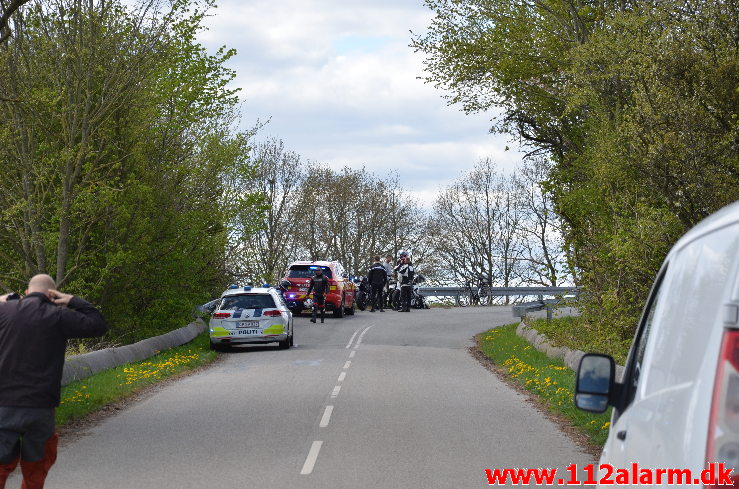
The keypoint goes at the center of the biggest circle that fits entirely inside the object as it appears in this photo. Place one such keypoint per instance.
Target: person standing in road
(388, 265)
(377, 277)
(405, 275)
(320, 286)
(33, 338)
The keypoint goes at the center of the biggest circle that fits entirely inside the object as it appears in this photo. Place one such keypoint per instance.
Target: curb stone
(82, 366)
(570, 357)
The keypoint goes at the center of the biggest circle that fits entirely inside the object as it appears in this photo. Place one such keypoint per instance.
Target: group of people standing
(379, 276)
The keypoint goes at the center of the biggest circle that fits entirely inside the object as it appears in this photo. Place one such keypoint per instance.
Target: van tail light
(272, 314)
(220, 315)
(723, 427)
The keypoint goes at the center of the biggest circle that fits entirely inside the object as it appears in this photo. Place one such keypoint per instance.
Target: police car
(251, 315)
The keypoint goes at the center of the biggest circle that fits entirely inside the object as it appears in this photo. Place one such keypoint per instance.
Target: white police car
(251, 315)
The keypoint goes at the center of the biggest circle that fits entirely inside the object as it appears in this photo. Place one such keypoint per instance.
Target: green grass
(97, 391)
(577, 334)
(551, 380)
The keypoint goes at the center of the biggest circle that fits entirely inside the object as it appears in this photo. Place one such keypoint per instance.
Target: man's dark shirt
(33, 339)
(377, 275)
(319, 285)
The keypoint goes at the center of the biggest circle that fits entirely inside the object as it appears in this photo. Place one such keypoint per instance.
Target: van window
(640, 342)
(247, 301)
(696, 285)
(306, 271)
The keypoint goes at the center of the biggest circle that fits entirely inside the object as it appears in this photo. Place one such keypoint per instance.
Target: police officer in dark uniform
(377, 277)
(405, 272)
(320, 286)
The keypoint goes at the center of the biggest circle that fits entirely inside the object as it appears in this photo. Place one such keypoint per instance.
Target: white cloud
(339, 84)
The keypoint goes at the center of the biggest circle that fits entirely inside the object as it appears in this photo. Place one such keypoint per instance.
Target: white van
(677, 406)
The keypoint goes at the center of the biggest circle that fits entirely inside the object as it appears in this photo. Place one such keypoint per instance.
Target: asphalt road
(382, 400)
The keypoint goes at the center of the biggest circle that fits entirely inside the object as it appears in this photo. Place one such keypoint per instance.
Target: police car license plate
(245, 332)
(248, 324)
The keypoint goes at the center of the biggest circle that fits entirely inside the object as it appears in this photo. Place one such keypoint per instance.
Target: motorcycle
(395, 295)
(363, 294)
(417, 300)
(387, 294)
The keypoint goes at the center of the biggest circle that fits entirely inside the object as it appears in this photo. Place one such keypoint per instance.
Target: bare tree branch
(7, 12)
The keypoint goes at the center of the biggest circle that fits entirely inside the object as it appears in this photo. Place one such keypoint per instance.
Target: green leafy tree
(123, 163)
(634, 102)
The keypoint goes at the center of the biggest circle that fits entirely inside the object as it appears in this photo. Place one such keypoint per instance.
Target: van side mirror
(595, 382)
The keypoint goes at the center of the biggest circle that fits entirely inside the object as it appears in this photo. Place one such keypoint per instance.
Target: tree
(353, 215)
(540, 229)
(120, 157)
(6, 11)
(464, 226)
(512, 56)
(266, 250)
(635, 104)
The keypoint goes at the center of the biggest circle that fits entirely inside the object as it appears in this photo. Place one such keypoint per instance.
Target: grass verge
(577, 334)
(88, 395)
(551, 381)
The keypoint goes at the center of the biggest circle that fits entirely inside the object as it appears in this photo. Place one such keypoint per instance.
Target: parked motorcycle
(395, 294)
(363, 293)
(387, 294)
(417, 300)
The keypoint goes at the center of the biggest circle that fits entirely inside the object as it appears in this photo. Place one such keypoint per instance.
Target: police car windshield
(306, 271)
(247, 301)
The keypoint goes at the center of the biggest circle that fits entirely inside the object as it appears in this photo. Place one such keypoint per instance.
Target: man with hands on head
(33, 338)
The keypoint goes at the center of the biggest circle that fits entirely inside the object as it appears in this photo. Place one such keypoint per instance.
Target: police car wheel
(339, 311)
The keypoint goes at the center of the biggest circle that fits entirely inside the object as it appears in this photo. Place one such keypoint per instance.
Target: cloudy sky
(339, 85)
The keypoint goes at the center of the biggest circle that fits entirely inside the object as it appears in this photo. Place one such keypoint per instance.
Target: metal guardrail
(519, 310)
(498, 291)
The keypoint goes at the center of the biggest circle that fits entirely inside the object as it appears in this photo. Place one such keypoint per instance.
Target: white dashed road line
(310, 461)
(361, 336)
(315, 448)
(326, 416)
(351, 340)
